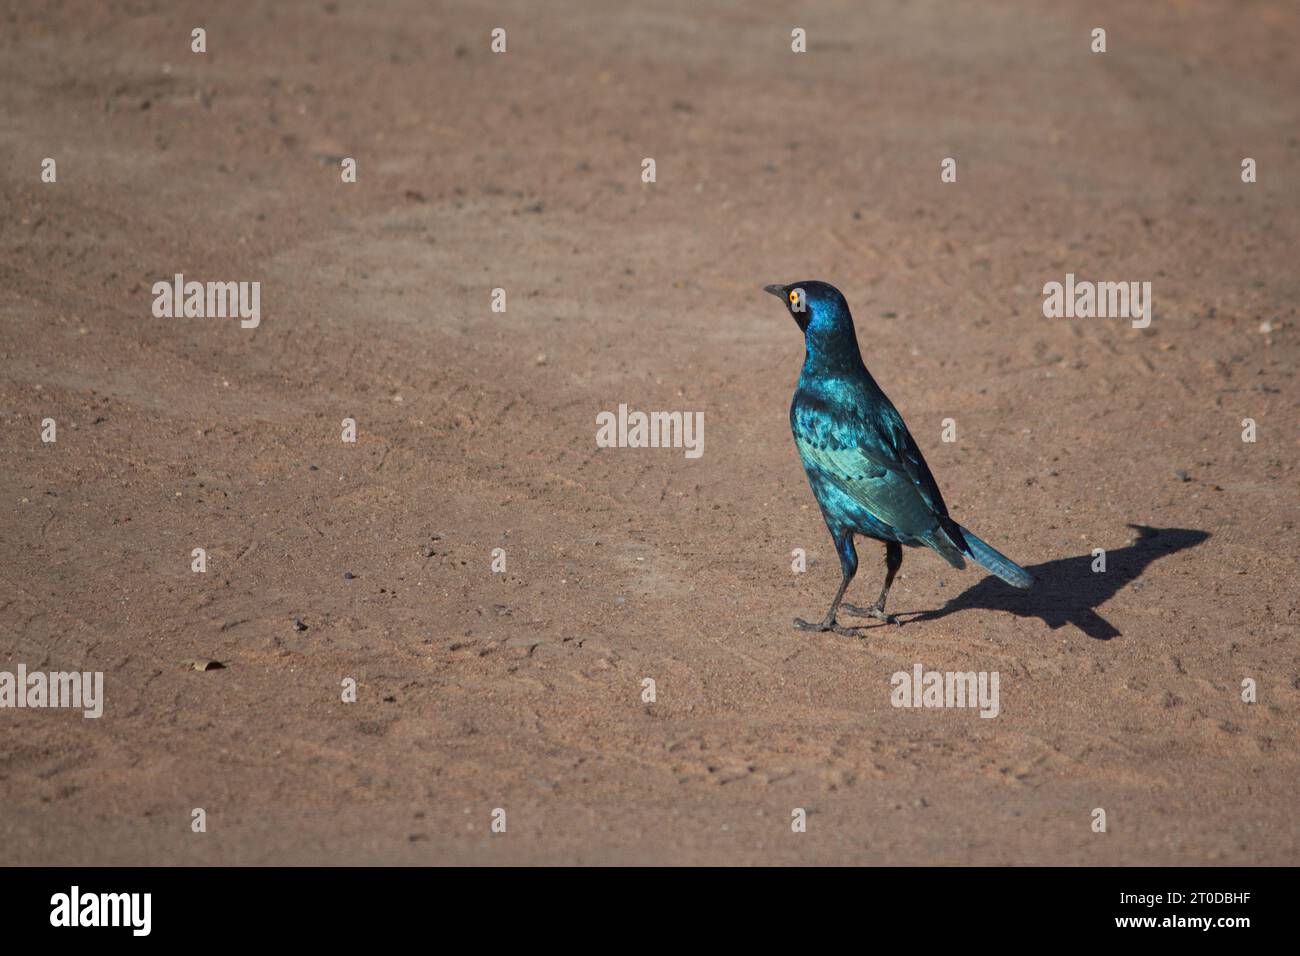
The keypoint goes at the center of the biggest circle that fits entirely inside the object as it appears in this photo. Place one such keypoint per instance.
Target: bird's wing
(894, 434)
(876, 467)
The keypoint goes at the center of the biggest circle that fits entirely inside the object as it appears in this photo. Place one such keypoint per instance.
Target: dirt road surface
(523, 689)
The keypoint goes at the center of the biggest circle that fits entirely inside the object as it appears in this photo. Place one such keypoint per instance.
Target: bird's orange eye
(794, 296)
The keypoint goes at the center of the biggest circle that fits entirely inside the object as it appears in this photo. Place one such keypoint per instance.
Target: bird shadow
(1068, 591)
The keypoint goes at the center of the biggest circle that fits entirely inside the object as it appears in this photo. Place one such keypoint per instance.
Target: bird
(865, 469)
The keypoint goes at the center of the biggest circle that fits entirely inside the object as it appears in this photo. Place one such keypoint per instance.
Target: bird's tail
(994, 560)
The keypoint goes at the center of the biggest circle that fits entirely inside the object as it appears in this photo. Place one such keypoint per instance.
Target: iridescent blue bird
(865, 469)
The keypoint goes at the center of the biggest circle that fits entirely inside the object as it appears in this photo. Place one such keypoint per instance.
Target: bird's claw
(833, 626)
(875, 611)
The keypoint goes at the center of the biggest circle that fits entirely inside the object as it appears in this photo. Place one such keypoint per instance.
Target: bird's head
(813, 303)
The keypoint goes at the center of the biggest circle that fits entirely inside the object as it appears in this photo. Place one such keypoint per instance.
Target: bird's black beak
(776, 290)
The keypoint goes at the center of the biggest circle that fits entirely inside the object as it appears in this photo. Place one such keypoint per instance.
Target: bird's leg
(849, 566)
(893, 561)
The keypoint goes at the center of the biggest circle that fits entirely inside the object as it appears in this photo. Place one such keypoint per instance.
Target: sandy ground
(522, 690)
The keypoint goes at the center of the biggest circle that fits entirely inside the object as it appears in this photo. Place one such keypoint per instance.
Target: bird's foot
(875, 611)
(829, 625)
